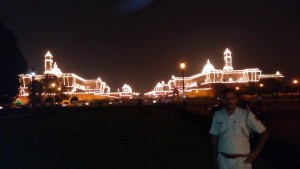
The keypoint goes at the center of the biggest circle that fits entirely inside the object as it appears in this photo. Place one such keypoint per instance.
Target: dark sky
(141, 42)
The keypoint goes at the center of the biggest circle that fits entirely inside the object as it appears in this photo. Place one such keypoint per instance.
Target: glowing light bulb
(295, 81)
(182, 65)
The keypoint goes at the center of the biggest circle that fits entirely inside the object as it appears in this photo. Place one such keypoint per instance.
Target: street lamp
(33, 90)
(182, 66)
(53, 90)
(295, 83)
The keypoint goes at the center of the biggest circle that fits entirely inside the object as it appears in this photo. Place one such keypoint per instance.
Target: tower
(48, 63)
(228, 60)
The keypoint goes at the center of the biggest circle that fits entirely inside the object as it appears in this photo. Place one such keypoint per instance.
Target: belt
(233, 156)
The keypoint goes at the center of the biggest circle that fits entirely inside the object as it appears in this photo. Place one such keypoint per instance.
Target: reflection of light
(237, 88)
(59, 88)
(295, 81)
(53, 84)
(182, 65)
(33, 74)
(261, 85)
(1, 107)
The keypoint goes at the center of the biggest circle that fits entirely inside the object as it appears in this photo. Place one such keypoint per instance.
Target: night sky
(142, 42)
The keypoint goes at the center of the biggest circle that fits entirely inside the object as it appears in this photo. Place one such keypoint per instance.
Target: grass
(150, 137)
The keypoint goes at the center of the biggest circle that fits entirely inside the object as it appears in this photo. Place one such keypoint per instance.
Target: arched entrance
(74, 99)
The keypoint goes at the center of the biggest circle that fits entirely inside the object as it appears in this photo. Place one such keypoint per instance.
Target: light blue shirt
(234, 130)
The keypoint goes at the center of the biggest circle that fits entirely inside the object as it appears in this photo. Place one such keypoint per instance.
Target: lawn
(136, 137)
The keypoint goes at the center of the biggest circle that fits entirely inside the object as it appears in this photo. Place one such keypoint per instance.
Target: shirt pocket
(222, 127)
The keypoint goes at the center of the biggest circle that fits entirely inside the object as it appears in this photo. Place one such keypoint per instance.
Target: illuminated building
(56, 82)
(126, 92)
(54, 79)
(210, 77)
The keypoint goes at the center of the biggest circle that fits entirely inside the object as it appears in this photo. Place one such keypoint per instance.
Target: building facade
(53, 83)
(69, 83)
(210, 77)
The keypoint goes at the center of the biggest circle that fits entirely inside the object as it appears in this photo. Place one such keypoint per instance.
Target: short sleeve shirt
(234, 130)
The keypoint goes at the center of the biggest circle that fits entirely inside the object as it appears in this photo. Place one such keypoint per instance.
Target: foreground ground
(147, 137)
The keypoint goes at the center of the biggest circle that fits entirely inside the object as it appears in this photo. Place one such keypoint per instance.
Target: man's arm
(261, 142)
(215, 140)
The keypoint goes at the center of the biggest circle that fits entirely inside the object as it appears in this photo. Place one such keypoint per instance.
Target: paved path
(112, 138)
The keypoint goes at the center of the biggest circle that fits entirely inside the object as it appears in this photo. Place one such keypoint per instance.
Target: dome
(159, 85)
(126, 88)
(208, 67)
(56, 71)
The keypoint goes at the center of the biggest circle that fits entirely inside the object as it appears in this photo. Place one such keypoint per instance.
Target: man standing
(231, 128)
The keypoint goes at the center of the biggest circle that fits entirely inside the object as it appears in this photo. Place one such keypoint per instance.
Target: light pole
(261, 85)
(295, 83)
(182, 66)
(33, 106)
(59, 95)
(53, 90)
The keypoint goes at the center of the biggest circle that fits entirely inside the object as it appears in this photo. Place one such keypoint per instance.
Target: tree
(12, 63)
(38, 89)
(272, 86)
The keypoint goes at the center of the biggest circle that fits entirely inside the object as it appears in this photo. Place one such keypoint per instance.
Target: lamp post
(261, 89)
(53, 90)
(182, 66)
(33, 106)
(59, 96)
(295, 83)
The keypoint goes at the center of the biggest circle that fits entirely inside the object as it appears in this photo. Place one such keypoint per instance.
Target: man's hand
(262, 140)
(251, 157)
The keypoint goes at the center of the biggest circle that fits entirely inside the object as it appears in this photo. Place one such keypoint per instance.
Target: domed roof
(208, 67)
(159, 85)
(56, 71)
(126, 88)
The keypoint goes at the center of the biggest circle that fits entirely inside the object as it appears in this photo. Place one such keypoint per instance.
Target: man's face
(230, 100)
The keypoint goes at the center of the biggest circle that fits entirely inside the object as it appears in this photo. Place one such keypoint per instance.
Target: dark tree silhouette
(49, 100)
(12, 63)
(39, 89)
(272, 86)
